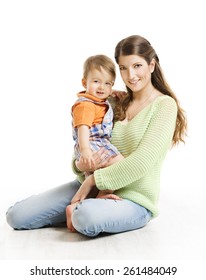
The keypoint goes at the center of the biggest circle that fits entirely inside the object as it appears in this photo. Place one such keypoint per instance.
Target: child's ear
(112, 89)
(84, 82)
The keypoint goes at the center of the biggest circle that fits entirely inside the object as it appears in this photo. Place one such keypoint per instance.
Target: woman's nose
(131, 73)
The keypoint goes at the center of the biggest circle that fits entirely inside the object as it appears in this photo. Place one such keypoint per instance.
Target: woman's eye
(122, 67)
(137, 65)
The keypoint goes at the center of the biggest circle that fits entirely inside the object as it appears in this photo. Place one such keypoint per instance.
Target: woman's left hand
(84, 190)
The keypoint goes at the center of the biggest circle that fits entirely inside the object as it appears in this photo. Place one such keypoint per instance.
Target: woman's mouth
(133, 82)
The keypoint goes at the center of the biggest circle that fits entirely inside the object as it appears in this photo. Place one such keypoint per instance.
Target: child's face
(98, 83)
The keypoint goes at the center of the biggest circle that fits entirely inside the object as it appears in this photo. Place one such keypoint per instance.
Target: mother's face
(135, 71)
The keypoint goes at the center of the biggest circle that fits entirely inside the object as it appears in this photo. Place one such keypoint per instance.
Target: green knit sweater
(144, 142)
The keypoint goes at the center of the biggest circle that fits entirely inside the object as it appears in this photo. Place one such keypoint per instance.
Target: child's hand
(100, 160)
(87, 157)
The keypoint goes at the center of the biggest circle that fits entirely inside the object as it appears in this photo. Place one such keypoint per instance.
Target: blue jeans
(90, 217)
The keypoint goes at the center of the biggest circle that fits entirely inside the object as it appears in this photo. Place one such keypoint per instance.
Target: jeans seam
(44, 219)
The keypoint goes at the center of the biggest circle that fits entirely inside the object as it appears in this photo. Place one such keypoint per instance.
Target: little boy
(92, 116)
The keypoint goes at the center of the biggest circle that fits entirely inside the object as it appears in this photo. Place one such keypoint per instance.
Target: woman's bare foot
(69, 211)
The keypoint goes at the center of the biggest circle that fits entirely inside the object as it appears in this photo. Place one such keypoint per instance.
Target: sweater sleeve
(151, 148)
(78, 173)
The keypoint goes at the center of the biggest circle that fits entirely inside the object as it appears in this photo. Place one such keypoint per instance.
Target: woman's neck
(144, 94)
(140, 101)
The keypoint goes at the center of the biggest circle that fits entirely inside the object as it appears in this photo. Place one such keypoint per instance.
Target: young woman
(148, 121)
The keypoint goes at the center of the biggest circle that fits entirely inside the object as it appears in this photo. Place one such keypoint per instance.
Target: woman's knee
(13, 217)
(19, 216)
(84, 219)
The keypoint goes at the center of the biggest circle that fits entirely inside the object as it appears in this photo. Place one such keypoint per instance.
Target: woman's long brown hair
(137, 45)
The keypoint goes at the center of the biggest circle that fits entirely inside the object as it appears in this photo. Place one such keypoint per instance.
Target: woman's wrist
(92, 180)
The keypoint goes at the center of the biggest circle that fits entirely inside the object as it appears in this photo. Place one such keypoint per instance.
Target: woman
(148, 120)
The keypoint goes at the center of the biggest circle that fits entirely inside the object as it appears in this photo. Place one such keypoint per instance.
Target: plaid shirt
(100, 134)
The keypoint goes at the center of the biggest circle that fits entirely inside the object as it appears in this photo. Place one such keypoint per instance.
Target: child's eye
(109, 84)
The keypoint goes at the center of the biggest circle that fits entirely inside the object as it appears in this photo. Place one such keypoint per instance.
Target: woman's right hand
(119, 94)
(100, 158)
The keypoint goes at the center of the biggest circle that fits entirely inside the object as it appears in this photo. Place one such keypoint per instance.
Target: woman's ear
(152, 65)
(84, 82)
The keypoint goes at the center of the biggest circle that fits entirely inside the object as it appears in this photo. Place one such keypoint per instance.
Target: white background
(43, 46)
